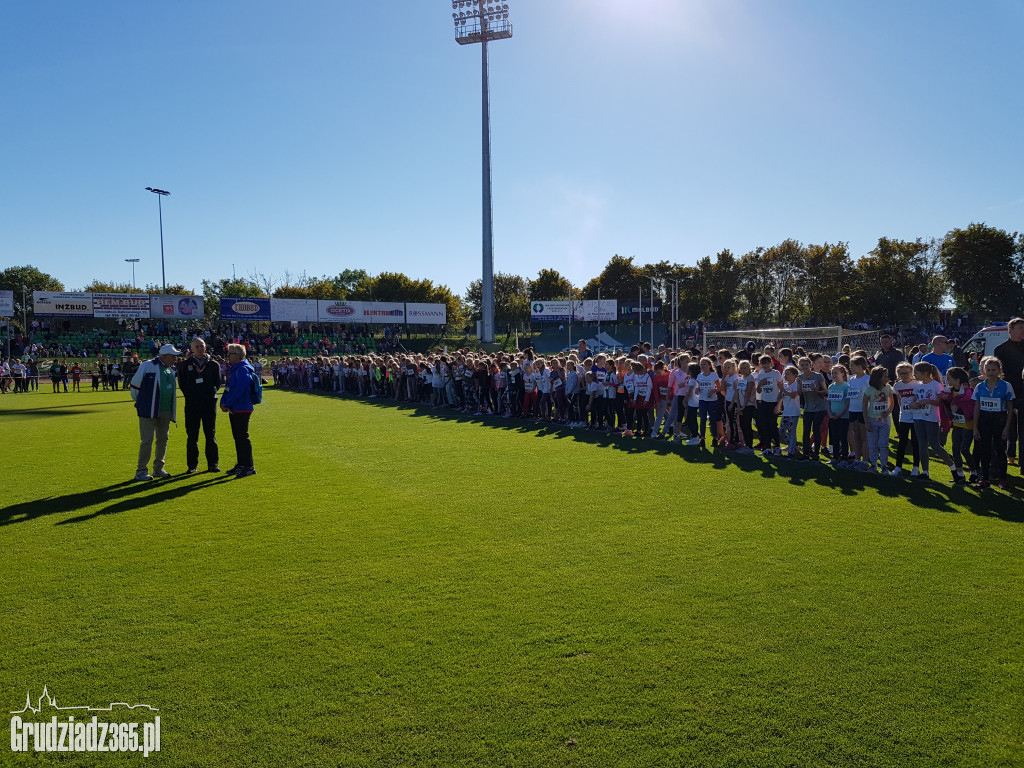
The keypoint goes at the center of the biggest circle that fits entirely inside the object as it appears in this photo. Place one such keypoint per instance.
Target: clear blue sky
(323, 134)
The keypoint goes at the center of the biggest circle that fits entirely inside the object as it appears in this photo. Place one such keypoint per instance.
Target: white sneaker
(915, 472)
(896, 472)
(693, 441)
(161, 473)
(142, 476)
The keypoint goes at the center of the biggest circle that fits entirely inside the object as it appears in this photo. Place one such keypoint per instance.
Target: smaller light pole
(160, 193)
(133, 262)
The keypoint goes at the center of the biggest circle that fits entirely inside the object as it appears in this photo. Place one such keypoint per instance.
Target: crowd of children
(805, 406)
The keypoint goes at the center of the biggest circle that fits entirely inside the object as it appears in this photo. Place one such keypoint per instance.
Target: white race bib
(879, 409)
(991, 404)
(836, 397)
(959, 418)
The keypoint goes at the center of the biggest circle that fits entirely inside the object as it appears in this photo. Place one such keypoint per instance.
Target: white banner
(426, 314)
(6, 303)
(61, 304)
(339, 311)
(293, 310)
(126, 305)
(605, 311)
(383, 312)
(550, 311)
(176, 307)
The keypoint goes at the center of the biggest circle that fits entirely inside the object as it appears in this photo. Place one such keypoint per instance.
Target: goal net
(827, 340)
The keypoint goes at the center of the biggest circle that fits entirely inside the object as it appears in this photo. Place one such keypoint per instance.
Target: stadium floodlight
(133, 262)
(161, 193)
(481, 23)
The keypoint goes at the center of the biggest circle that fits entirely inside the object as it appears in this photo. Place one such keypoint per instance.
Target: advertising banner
(628, 310)
(244, 309)
(426, 314)
(604, 311)
(550, 311)
(126, 305)
(383, 312)
(293, 310)
(61, 304)
(6, 303)
(339, 311)
(176, 307)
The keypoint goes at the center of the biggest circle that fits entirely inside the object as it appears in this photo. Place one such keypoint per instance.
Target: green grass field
(398, 587)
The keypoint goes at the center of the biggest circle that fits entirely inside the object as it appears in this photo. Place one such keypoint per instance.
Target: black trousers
(240, 431)
(202, 414)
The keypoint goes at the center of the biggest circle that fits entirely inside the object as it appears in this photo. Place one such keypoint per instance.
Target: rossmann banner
(244, 309)
(6, 303)
(120, 305)
(61, 304)
(176, 307)
(426, 314)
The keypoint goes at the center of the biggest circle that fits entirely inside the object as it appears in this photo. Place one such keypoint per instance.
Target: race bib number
(991, 404)
(854, 394)
(836, 397)
(879, 409)
(663, 391)
(959, 418)
(807, 386)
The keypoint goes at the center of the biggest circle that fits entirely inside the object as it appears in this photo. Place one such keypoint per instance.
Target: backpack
(256, 389)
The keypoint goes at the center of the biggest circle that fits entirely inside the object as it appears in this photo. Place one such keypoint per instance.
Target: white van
(985, 341)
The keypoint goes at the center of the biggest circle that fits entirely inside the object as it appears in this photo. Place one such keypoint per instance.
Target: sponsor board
(61, 304)
(293, 310)
(6, 303)
(176, 307)
(339, 311)
(628, 310)
(593, 310)
(383, 312)
(550, 311)
(120, 305)
(426, 314)
(244, 309)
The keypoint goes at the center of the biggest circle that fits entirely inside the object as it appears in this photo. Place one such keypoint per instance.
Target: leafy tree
(511, 300)
(826, 283)
(618, 280)
(13, 278)
(982, 266)
(346, 281)
(770, 281)
(549, 286)
(176, 289)
(900, 282)
(98, 286)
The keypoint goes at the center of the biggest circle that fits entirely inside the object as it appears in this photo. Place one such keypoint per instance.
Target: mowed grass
(398, 587)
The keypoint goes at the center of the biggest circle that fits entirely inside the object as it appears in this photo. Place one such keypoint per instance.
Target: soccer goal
(828, 340)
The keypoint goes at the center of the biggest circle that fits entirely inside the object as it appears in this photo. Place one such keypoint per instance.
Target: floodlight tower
(160, 194)
(479, 21)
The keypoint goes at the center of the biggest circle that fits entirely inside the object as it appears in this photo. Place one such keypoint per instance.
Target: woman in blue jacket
(237, 403)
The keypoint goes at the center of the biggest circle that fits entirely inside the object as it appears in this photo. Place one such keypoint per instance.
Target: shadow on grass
(64, 409)
(120, 497)
(940, 495)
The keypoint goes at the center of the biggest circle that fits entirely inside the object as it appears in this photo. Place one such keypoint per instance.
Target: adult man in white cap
(156, 402)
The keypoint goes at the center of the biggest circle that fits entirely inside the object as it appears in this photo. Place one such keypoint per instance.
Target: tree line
(979, 269)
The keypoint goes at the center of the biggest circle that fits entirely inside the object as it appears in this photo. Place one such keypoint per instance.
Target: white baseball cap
(168, 349)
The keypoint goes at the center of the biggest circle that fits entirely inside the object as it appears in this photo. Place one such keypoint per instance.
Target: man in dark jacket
(199, 380)
(1011, 354)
